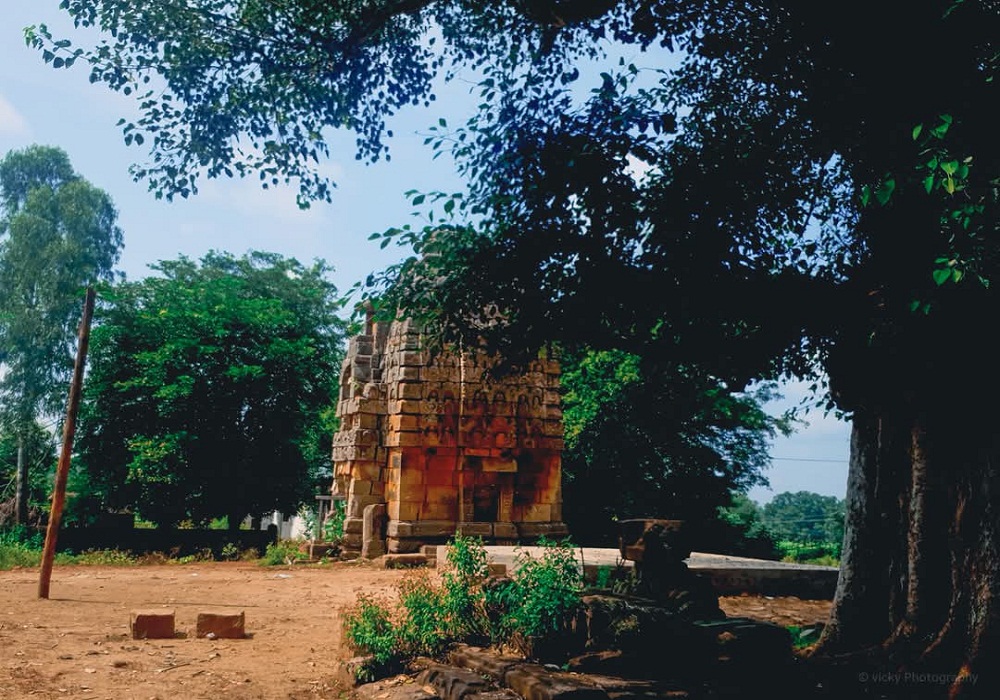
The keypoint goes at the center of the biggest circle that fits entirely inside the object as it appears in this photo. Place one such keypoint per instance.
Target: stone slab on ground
(403, 688)
(452, 682)
(482, 661)
(495, 694)
(402, 561)
(534, 682)
(152, 624)
(221, 624)
(729, 575)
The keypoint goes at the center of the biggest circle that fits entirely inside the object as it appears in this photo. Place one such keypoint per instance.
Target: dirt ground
(77, 643)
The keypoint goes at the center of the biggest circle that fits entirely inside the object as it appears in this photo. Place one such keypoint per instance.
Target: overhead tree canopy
(207, 385)
(813, 189)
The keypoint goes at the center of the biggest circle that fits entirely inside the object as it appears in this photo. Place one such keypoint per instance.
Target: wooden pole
(69, 429)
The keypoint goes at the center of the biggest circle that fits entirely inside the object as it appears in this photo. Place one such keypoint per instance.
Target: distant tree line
(211, 384)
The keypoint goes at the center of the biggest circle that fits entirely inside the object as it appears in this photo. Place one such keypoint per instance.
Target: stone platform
(729, 575)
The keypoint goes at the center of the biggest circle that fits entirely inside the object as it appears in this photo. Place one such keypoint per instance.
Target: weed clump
(528, 610)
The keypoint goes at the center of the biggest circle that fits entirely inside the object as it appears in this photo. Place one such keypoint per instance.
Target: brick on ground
(152, 624)
(222, 624)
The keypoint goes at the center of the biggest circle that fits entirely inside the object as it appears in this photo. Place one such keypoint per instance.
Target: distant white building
(290, 527)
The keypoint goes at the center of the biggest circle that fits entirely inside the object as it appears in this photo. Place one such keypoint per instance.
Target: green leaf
(928, 183)
(950, 167)
(942, 275)
(419, 199)
(917, 130)
(885, 190)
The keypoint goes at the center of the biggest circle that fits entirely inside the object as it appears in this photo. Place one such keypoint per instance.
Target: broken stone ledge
(734, 655)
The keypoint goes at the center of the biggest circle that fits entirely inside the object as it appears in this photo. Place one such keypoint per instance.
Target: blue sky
(40, 105)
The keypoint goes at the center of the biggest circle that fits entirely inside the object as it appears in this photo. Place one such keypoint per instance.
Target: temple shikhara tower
(429, 446)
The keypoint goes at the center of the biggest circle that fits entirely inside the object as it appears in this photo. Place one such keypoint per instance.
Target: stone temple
(429, 446)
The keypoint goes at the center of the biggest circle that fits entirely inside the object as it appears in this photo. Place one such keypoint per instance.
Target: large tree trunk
(915, 613)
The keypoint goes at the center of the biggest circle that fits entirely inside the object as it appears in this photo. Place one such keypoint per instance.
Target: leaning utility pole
(69, 428)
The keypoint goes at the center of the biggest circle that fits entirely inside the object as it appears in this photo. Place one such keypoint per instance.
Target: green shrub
(422, 629)
(531, 609)
(282, 552)
(369, 631)
(333, 527)
(544, 597)
(462, 601)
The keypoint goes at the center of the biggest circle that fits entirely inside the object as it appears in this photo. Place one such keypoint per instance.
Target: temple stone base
(410, 537)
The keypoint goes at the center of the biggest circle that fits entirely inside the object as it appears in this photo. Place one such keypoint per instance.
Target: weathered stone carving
(659, 549)
(443, 446)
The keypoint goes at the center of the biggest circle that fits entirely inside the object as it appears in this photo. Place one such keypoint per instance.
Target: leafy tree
(57, 235)
(805, 516)
(740, 530)
(647, 440)
(818, 198)
(207, 386)
(40, 444)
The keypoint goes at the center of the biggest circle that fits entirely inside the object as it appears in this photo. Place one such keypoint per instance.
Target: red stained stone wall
(443, 446)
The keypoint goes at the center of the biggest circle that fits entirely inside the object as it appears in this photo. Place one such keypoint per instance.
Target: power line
(810, 459)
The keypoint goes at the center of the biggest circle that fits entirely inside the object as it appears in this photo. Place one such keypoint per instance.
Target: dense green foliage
(801, 526)
(672, 440)
(530, 608)
(209, 384)
(805, 517)
(740, 531)
(57, 236)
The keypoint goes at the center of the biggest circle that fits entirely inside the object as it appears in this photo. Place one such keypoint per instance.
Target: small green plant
(230, 551)
(282, 552)
(803, 637)
(463, 600)
(369, 631)
(545, 595)
(333, 527)
(422, 627)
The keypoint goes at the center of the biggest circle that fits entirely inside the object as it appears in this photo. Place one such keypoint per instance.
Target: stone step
(401, 561)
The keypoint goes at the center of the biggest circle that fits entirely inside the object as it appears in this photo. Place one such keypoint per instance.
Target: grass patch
(283, 553)
(20, 548)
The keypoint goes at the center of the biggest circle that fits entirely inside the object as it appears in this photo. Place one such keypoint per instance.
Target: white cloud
(11, 121)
